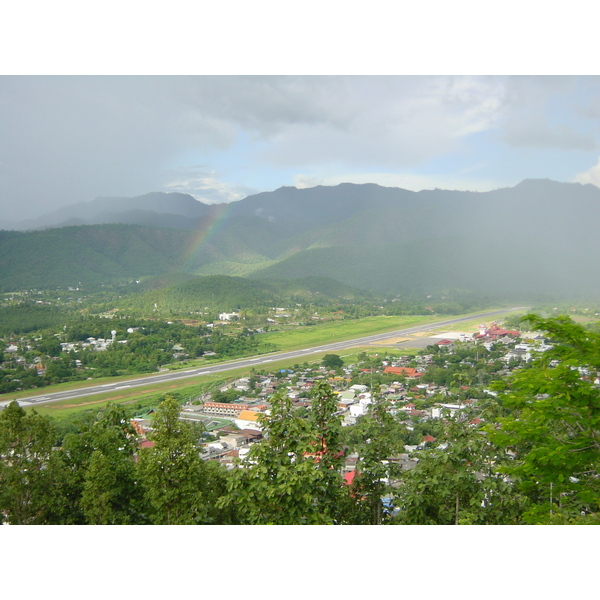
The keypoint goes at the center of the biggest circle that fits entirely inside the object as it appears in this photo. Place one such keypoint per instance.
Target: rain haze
(70, 139)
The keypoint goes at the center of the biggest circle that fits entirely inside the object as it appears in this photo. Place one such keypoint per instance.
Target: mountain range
(538, 237)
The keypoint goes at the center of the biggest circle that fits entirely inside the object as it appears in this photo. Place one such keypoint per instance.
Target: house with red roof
(444, 343)
(495, 332)
(408, 372)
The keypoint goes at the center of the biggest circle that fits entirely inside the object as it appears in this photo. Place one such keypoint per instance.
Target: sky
(68, 139)
(243, 98)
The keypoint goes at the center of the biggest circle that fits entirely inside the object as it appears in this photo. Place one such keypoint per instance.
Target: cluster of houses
(92, 343)
(237, 424)
(37, 363)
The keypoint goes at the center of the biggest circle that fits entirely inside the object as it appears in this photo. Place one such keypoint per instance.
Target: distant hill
(87, 254)
(535, 238)
(157, 209)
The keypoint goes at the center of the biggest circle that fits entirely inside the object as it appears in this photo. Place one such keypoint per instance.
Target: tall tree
(292, 476)
(99, 484)
(458, 482)
(172, 474)
(27, 484)
(377, 437)
(553, 429)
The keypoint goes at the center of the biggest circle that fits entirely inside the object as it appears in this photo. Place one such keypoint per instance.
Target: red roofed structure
(406, 371)
(494, 332)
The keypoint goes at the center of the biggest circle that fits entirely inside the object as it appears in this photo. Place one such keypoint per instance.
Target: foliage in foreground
(535, 462)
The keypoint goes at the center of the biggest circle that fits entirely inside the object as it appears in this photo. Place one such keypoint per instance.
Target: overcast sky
(68, 139)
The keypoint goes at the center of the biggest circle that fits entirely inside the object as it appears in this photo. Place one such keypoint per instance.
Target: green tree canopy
(292, 477)
(332, 361)
(377, 437)
(26, 481)
(553, 429)
(171, 472)
(457, 481)
(98, 483)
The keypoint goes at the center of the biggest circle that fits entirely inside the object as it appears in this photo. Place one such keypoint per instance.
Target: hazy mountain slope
(88, 254)
(157, 209)
(236, 239)
(537, 237)
(305, 209)
(382, 269)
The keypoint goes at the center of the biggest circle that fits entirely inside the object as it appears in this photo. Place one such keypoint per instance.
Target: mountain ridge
(538, 236)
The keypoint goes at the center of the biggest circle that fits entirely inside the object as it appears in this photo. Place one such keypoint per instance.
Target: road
(257, 361)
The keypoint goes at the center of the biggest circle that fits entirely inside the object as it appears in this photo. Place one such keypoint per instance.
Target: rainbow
(207, 229)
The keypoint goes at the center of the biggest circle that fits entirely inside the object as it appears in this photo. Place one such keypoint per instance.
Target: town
(446, 377)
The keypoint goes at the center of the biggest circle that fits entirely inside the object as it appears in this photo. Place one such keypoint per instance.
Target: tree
(458, 482)
(26, 481)
(332, 361)
(377, 437)
(292, 476)
(171, 472)
(110, 490)
(111, 495)
(553, 429)
(99, 480)
(329, 453)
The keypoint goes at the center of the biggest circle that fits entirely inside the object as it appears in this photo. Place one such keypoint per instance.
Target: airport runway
(257, 361)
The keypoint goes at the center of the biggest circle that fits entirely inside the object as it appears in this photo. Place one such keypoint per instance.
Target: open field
(315, 335)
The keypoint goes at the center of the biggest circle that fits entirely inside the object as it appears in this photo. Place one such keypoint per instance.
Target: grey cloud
(523, 91)
(396, 122)
(535, 132)
(70, 139)
(527, 100)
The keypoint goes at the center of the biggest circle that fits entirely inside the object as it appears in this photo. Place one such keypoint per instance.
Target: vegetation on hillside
(535, 240)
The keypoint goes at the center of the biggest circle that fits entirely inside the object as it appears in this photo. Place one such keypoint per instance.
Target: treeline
(201, 295)
(28, 316)
(100, 476)
(212, 294)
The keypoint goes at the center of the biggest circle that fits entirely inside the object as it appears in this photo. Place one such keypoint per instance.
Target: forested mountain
(535, 238)
(87, 254)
